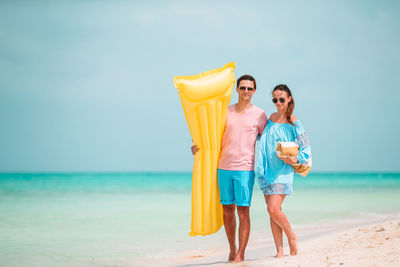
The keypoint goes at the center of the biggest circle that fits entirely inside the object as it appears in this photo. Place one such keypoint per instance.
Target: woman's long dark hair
(290, 108)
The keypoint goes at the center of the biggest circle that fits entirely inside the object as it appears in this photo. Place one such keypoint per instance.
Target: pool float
(205, 99)
(284, 149)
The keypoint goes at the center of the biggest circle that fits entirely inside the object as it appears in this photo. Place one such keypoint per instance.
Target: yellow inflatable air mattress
(205, 99)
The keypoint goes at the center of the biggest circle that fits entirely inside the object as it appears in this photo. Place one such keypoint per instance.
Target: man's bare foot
(232, 255)
(293, 246)
(239, 258)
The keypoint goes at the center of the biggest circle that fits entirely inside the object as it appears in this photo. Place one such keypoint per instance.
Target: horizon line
(177, 172)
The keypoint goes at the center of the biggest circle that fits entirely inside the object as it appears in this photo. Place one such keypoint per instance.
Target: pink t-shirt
(239, 140)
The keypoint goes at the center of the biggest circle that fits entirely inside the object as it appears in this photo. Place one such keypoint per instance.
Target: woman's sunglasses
(250, 89)
(275, 100)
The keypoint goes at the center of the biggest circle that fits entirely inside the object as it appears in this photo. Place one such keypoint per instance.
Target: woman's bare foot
(293, 245)
(279, 255)
(239, 258)
(279, 252)
(232, 255)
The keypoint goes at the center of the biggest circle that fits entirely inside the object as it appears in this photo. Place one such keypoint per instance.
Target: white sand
(352, 243)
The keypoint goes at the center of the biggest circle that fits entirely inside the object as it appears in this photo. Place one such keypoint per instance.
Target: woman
(275, 174)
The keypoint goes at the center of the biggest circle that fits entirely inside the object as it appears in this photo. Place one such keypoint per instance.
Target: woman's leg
(277, 234)
(275, 212)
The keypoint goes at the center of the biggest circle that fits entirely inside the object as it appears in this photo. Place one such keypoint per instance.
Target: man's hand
(288, 160)
(194, 149)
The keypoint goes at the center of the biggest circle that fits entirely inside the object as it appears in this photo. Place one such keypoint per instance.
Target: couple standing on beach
(244, 123)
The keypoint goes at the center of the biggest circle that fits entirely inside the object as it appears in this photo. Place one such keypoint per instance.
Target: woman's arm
(262, 157)
(289, 160)
(304, 145)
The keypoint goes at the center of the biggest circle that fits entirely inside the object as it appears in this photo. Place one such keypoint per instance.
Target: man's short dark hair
(246, 77)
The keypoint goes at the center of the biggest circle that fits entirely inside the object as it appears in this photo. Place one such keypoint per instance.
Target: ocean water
(121, 219)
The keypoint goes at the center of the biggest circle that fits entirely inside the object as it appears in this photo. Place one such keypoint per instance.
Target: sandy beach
(374, 242)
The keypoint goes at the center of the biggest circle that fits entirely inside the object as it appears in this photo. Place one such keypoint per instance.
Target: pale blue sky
(87, 85)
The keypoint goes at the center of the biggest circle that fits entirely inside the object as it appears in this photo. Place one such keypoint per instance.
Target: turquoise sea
(122, 219)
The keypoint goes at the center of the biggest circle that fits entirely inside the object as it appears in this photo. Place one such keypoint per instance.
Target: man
(244, 123)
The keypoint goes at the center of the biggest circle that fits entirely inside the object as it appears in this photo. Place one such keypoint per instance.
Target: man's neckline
(243, 111)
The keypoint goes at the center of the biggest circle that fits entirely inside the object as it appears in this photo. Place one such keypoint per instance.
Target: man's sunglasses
(242, 88)
(275, 100)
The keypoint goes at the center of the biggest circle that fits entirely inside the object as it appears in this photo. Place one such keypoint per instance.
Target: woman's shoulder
(293, 118)
(273, 116)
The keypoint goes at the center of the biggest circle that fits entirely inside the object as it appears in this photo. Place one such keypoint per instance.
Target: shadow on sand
(211, 263)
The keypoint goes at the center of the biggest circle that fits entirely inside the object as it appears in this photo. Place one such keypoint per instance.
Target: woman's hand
(288, 160)
(194, 149)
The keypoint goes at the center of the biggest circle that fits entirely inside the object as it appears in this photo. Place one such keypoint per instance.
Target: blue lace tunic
(275, 176)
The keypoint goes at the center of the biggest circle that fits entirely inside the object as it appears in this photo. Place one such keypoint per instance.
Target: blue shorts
(235, 187)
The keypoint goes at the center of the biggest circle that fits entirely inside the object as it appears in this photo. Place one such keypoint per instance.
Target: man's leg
(225, 184)
(244, 231)
(230, 229)
(243, 188)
